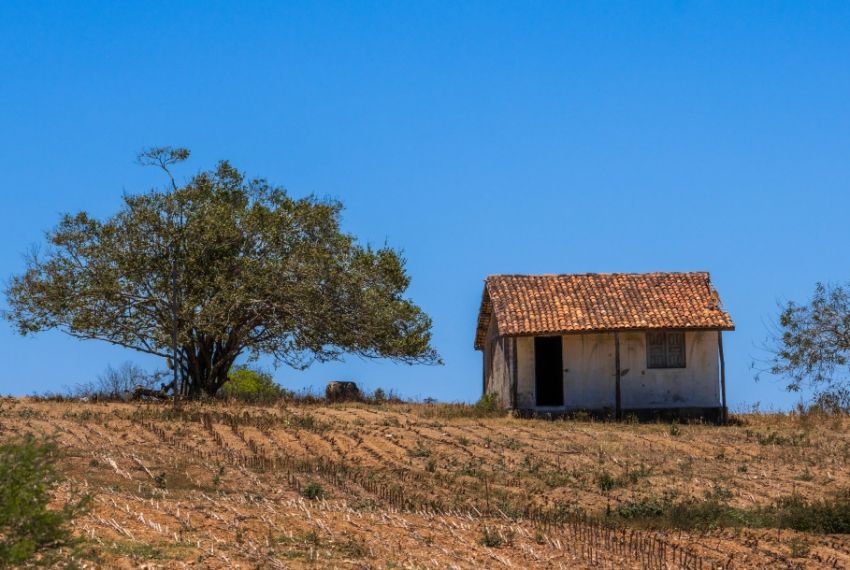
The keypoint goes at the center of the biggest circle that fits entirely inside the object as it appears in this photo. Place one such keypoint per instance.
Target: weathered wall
(695, 386)
(589, 373)
(525, 372)
(497, 367)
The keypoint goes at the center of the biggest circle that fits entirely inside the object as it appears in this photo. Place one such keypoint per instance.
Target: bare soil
(423, 486)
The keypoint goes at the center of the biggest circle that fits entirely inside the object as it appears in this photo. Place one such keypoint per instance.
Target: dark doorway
(548, 371)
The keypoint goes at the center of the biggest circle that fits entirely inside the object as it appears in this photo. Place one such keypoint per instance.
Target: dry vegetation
(427, 486)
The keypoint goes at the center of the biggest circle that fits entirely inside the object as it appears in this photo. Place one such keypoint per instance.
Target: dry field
(424, 486)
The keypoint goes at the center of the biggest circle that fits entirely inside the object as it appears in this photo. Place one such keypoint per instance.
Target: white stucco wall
(525, 372)
(589, 373)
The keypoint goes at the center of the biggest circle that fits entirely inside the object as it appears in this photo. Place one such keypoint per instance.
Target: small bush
(249, 385)
(606, 482)
(488, 405)
(313, 491)
(674, 429)
(28, 529)
(419, 451)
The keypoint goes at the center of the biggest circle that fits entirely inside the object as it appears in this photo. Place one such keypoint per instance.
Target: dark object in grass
(343, 392)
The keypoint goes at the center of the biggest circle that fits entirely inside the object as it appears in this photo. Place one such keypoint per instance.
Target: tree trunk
(207, 366)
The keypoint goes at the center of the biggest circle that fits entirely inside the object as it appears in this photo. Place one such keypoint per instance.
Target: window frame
(666, 346)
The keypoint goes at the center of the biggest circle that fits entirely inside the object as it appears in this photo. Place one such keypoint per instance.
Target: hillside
(429, 486)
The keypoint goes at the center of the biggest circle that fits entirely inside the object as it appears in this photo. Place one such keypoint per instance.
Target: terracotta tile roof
(551, 304)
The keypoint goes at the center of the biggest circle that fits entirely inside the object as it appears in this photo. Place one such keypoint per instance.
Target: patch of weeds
(826, 516)
(490, 538)
(674, 430)
(354, 547)
(634, 475)
(531, 464)
(775, 438)
(391, 421)
(312, 537)
(606, 482)
(800, 547)
(555, 479)
(419, 451)
(719, 493)
(743, 468)
(313, 491)
(160, 480)
(431, 466)
(805, 476)
(512, 443)
(488, 406)
(217, 477)
(139, 550)
(463, 441)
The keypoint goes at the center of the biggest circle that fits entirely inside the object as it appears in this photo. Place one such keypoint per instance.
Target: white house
(616, 343)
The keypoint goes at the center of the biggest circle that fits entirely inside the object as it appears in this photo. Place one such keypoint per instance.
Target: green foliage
(232, 266)
(674, 429)
(488, 406)
(419, 451)
(827, 516)
(251, 385)
(28, 529)
(812, 343)
(313, 491)
(606, 482)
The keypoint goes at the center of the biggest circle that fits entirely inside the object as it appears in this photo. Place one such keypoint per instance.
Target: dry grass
(425, 486)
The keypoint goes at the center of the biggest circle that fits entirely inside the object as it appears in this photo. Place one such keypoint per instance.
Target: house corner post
(514, 372)
(617, 375)
(724, 411)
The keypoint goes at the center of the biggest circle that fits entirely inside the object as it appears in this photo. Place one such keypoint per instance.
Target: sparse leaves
(812, 345)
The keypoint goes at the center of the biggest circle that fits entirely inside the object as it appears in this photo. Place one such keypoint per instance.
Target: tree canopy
(226, 266)
(812, 342)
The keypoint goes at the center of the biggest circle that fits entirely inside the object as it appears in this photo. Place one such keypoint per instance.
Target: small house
(616, 343)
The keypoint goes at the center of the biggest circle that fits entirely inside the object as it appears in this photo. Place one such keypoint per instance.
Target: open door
(548, 370)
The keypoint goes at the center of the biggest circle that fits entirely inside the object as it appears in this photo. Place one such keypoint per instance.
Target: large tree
(219, 268)
(811, 345)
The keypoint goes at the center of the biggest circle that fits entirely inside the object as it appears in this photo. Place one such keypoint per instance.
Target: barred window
(665, 349)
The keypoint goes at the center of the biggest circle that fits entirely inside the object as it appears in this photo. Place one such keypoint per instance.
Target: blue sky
(480, 138)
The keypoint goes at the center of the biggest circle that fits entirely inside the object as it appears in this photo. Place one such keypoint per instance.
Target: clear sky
(480, 138)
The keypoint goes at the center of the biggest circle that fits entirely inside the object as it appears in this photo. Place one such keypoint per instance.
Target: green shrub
(29, 531)
(313, 491)
(674, 429)
(820, 516)
(606, 482)
(488, 405)
(827, 516)
(249, 385)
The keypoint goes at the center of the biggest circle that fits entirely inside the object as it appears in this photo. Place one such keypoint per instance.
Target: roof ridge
(553, 303)
(598, 273)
